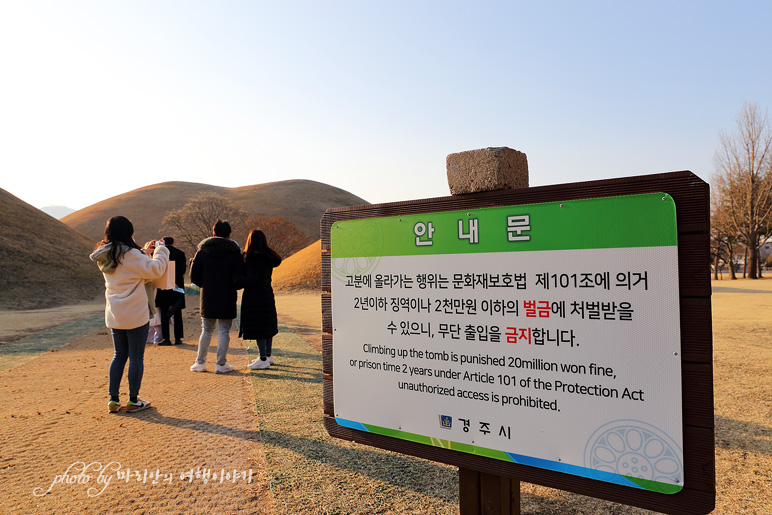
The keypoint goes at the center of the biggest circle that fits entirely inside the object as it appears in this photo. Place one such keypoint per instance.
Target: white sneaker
(259, 364)
(137, 406)
(270, 360)
(198, 367)
(222, 369)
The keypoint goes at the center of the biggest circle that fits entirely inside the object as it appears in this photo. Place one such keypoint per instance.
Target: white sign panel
(544, 334)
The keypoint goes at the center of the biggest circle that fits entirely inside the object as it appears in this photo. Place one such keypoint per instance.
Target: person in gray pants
(216, 264)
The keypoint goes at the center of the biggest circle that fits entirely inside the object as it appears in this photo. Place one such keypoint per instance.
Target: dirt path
(56, 427)
(302, 314)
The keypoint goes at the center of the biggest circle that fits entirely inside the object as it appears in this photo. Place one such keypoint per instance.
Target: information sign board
(542, 334)
(589, 293)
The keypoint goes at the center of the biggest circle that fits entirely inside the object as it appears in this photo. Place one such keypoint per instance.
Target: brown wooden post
(487, 494)
(488, 169)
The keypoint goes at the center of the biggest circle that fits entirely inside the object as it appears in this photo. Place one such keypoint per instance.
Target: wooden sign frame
(691, 196)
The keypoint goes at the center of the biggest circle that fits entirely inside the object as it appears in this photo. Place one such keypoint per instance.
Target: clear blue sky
(102, 97)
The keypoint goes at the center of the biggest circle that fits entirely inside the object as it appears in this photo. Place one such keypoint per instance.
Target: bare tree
(282, 235)
(742, 181)
(722, 239)
(194, 221)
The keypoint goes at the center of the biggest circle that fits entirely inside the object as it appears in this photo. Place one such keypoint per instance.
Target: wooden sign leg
(486, 494)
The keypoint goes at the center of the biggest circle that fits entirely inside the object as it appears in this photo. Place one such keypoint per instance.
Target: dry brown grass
(312, 473)
(300, 452)
(300, 201)
(302, 271)
(43, 262)
(742, 340)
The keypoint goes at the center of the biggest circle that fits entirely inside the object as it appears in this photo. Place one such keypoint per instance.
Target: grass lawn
(313, 473)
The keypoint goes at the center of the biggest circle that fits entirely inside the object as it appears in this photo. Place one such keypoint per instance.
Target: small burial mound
(302, 271)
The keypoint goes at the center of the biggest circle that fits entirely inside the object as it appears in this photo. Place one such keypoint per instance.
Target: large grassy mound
(300, 201)
(43, 262)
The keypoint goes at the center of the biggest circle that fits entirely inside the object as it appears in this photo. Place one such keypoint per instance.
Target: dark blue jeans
(129, 345)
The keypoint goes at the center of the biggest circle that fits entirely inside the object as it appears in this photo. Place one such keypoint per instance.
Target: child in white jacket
(126, 269)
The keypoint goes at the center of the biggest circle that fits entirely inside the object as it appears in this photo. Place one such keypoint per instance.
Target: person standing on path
(171, 302)
(258, 305)
(214, 269)
(127, 313)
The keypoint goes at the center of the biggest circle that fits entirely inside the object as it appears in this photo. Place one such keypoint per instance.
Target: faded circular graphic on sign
(635, 449)
(362, 238)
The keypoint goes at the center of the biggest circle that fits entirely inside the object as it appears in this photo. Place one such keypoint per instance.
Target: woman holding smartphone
(126, 269)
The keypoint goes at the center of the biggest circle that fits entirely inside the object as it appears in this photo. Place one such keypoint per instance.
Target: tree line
(741, 196)
(193, 222)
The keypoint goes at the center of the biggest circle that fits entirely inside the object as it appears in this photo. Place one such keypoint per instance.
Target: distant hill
(302, 202)
(301, 271)
(57, 212)
(43, 262)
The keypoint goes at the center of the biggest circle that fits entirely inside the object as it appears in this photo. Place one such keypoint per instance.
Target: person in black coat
(215, 267)
(258, 307)
(171, 302)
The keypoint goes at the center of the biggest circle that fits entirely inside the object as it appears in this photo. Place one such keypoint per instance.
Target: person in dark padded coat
(258, 306)
(215, 267)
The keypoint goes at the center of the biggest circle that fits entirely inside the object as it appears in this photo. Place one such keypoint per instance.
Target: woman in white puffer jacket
(126, 269)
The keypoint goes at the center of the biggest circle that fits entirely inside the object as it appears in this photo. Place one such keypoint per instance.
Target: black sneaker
(177, 342)
(131, 407)
(164, 342)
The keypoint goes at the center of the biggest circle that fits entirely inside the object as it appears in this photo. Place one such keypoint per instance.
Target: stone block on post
(486, 169)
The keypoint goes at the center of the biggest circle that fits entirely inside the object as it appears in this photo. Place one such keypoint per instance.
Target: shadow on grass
(565, 502)
(424, 477)
(402, 471)
(289, 365)
(298, 355)
(399, 470)
(735, 435)
(727, 289)
(301, 328)
(299, 453)
(288, 374)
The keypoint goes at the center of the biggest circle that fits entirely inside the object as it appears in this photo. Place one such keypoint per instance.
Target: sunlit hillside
(301, 271)
(43, 262)
(299, 201)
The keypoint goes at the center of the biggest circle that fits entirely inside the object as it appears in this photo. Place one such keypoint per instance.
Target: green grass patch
(11, 354)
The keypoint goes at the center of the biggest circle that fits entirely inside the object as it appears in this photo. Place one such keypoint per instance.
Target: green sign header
(647, 220)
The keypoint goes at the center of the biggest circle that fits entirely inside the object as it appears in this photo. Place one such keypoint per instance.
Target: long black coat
(258, 306)
(215, 267)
